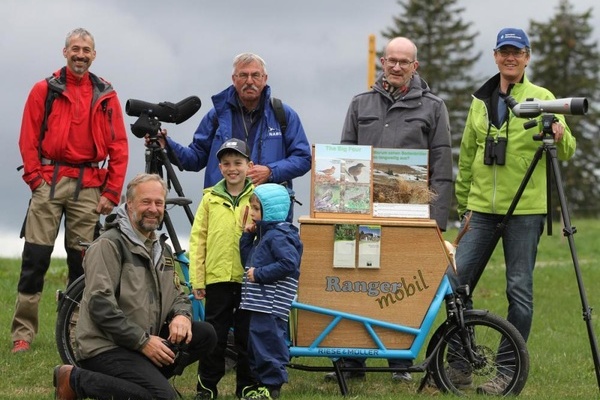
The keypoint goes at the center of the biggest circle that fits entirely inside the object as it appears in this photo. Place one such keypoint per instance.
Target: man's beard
(80, 69)
(146, 227)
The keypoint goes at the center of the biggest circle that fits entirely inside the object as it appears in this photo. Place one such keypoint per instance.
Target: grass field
(561, 359)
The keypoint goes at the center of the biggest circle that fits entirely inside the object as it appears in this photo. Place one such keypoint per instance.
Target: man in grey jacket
(401, 112)
(135, 326)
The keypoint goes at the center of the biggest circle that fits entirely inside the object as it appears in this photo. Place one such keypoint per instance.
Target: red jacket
(109, 138)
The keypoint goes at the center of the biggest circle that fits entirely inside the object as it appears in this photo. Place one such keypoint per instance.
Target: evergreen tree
(565, 60)
(445, 54)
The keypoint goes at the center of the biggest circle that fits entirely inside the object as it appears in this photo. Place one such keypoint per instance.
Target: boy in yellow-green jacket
(215, 266)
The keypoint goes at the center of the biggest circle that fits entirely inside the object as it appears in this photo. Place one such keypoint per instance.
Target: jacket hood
(275, 201)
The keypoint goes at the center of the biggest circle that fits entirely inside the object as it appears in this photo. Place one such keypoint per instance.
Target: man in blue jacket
(244, 111)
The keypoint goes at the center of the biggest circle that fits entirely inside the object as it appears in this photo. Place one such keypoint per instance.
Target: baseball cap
(512, 37)
(236, 145)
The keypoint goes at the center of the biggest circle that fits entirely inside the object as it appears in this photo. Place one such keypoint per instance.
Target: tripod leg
(176, 185)
(569, 231)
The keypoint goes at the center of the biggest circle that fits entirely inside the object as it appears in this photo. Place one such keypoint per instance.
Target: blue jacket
(288, 156)
(274, 251)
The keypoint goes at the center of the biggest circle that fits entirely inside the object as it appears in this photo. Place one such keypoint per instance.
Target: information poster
(342, 179)
(400, 183)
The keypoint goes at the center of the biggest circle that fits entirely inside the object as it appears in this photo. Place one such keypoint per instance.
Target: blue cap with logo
(512, 37)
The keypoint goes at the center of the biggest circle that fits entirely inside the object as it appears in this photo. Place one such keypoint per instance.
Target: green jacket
(215, 236)
(129, 294)
(491, 188)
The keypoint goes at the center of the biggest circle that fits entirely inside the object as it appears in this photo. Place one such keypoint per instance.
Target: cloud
(316, 52)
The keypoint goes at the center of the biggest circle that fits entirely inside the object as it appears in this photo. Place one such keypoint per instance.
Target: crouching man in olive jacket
(135, 326)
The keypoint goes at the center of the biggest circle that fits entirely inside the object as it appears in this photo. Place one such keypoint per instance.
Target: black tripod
(549, 148)
(157, 158)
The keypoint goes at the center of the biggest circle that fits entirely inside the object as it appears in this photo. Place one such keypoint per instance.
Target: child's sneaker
(261, 393)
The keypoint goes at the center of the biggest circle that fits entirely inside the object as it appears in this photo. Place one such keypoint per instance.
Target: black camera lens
(500, 150)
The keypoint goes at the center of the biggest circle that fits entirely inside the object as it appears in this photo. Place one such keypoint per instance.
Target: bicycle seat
(179, 201)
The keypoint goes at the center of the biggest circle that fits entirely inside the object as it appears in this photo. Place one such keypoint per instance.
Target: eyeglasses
(254, 76)
(513, 53)
(390, 62)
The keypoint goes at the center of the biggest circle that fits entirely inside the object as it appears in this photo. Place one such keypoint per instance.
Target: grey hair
(143, 178)
(247, 58)
(79, 32)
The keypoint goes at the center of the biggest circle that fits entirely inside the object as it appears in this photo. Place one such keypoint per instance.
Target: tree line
(565, 60)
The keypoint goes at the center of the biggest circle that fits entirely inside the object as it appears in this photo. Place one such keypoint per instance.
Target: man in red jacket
(72, 123)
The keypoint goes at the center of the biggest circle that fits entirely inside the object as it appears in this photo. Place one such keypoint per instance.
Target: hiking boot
(261, 393)
(495, 386)
(205, 394)
(460, 379)
(401, 377)
(19, 346)
(62, 384)
(348, 375)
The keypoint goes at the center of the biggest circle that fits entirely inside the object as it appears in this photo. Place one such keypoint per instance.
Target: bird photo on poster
(342, 179)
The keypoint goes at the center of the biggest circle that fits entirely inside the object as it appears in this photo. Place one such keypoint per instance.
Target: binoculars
(495, 150)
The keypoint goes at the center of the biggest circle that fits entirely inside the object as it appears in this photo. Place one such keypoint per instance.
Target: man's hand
(180, 329)
(259, 174)
(199, 294)
(105, 206)
(558, 130)
(158, 352)
(161, 136)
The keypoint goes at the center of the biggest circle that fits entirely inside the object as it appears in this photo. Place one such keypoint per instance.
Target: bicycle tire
(485, 331)
(66, 319)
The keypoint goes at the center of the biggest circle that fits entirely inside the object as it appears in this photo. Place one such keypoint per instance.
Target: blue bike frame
(420, 334)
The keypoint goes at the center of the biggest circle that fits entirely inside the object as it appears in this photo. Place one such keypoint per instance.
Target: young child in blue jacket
(270, 249)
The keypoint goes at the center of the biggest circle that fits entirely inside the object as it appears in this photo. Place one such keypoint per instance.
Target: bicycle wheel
(66, 319)
(488, 357)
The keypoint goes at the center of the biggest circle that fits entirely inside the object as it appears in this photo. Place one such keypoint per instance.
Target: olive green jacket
(130, 292)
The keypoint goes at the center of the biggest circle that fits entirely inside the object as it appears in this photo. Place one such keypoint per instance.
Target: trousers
(122, 373)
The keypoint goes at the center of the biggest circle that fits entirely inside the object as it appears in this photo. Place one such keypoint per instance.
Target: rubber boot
(34, 265)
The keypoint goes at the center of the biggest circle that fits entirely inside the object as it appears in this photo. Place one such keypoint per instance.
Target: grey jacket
(417, 120)
(130, 293)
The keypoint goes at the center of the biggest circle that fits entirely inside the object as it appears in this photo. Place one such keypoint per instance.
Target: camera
(150, 114)
(495, 150)
(181, 356)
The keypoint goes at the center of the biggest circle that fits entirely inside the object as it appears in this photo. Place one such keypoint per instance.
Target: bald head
(401, 44)
(399, 61)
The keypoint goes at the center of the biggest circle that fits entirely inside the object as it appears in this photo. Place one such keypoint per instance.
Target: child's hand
(250, 274)
(250, 227)
(245, 213)
(199, 293)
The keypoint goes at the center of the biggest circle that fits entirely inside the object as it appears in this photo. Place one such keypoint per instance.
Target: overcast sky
(316, 54)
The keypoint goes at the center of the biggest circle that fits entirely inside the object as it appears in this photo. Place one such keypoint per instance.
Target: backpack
(279, 113)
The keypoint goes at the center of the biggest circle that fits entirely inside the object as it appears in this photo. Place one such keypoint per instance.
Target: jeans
(520, 240)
